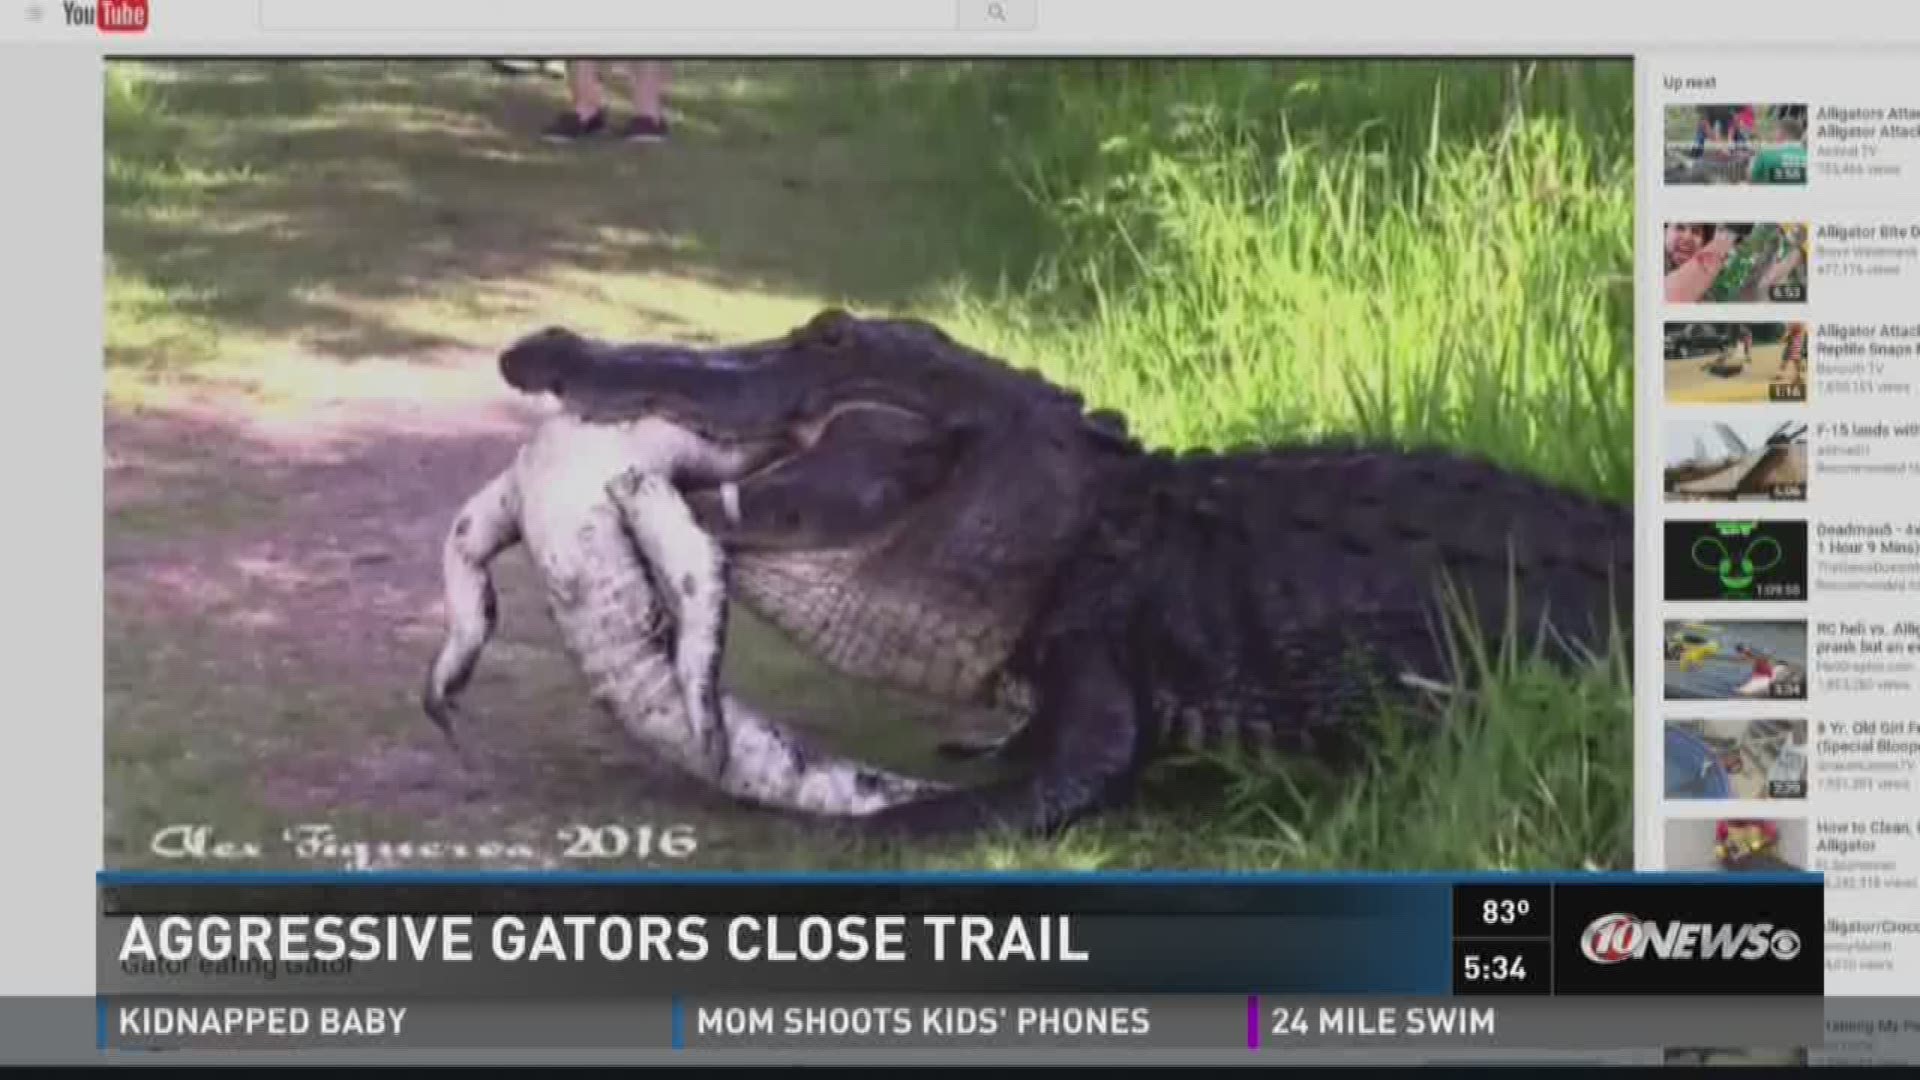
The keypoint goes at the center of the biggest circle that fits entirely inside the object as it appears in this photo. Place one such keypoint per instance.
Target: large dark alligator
(928, 517)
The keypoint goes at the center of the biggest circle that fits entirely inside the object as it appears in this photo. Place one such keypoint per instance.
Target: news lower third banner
(1585, 962)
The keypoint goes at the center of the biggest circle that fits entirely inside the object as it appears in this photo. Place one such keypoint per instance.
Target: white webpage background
(1818, 78)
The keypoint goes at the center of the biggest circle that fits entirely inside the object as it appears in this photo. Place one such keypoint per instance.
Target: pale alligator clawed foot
(487, 525)
(436, 701)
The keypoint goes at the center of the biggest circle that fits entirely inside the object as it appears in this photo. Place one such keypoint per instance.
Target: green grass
(1251, 253)
(1228, 251)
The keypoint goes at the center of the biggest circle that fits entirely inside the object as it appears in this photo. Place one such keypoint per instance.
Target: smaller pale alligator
(638, 591)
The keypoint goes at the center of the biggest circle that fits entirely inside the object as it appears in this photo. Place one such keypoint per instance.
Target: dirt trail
(321, 512)
(250, 559)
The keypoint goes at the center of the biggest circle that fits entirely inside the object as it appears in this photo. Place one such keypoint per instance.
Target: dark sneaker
(570, 126)
(647, 129)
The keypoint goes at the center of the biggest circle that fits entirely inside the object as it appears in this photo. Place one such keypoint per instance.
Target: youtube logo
(123, 16)
(110, 16)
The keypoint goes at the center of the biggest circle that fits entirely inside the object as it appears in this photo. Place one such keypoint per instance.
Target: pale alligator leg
(487, 525)
(688, 570)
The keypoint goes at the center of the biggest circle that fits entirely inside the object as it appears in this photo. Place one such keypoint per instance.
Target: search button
(999, 14)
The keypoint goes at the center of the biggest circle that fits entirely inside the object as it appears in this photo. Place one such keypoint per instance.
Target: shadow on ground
(303, 199)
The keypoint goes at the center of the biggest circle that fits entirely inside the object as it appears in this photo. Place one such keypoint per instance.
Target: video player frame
(1736, 759)
(1736, 262)
(1735, 660)
(1768, 845)
(1736, 144)
(1746, 561)
(383, 230)
(1736, 363)
(1718, 456)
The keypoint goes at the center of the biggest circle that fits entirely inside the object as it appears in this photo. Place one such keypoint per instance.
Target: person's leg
(649, 78)
(647, 82)
(588, 113)
(583, 84)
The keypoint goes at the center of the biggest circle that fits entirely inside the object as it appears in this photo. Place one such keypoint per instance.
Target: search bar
(627, 16)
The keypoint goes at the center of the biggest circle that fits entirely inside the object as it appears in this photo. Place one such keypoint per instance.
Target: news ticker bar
(831, 1022)
(1726, 935)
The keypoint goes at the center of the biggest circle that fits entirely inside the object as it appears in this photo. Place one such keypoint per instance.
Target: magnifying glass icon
(997, 12)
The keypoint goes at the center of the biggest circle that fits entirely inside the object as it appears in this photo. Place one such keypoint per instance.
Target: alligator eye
(876, 496)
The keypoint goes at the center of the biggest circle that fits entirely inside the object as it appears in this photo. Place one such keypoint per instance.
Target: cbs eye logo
(1737, 561)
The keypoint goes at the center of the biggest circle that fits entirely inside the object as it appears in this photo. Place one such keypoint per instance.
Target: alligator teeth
(730, 501)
